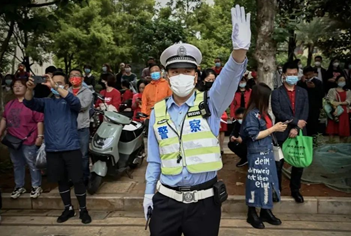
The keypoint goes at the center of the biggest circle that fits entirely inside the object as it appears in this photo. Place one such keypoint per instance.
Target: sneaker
(241, 163)
(66, 214)
(84, 216)
(17, 193)
(36, 191)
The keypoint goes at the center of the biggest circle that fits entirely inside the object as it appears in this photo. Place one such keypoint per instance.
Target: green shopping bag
(298, 151)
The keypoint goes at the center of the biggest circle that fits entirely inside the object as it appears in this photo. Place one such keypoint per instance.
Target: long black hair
(204, 74)
(331, 67)
(259, 99)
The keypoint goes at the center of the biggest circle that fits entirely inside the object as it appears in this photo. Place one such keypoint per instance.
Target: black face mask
(208, 85)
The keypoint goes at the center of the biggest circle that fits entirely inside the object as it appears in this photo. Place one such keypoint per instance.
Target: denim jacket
(252, 125)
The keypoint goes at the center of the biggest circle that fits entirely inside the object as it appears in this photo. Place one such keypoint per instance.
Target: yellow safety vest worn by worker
(194, 146)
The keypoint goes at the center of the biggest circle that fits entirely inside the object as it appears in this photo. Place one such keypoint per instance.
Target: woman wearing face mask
(339, 96)
(241, 97)
(8, 95)
(22, 123)
(137, 99)
(208, 77)
(130, 77)
(333, 72)
(105, 69)
(112, 95)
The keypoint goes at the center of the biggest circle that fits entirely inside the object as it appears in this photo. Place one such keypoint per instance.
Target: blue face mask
(104, 68)
(292, 79)
(8, 82)
(55, 92)
(156, 75)
(218, 64)
(242, 85)
(87, 70)
(240, 121)
(341, 84)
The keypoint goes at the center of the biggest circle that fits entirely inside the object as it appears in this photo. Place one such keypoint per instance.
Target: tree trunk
(1, 98)
(266, 47)
(310, 54)
(5, 45)
(292, 45)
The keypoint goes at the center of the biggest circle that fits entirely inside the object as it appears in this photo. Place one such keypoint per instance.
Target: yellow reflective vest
(194, 146)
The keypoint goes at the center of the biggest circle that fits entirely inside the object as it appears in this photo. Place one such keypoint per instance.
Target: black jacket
(282, 109)
(315, 95)
(90, 80)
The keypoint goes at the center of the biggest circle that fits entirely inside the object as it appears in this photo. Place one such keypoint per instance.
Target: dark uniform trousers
(172, 218)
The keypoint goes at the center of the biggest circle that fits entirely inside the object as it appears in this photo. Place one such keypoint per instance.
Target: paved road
(40, 223)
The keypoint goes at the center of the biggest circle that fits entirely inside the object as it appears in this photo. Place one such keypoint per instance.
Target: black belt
(203, 186)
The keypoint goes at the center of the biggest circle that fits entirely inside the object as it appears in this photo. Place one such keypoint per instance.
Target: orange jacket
(154, 92)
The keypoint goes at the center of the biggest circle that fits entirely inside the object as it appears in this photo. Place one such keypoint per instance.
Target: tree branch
(42, 4)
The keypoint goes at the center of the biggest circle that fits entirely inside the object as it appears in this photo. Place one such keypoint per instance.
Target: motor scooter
(116, 147)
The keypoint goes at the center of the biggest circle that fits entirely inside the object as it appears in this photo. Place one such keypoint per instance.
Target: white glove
(241, 35)
(147, 203)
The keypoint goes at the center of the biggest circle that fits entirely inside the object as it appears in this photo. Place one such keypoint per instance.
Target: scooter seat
(131, 132)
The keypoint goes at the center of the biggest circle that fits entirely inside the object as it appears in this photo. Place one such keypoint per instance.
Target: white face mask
(182, 85)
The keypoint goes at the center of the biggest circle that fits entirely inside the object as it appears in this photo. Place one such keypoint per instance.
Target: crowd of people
(298, 96)
(60, 109)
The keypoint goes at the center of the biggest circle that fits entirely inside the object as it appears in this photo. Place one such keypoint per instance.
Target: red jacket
(237, 100)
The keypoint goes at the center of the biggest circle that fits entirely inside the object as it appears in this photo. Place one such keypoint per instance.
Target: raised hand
(241, 35)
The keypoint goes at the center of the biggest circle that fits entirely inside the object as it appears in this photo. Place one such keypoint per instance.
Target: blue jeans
(84, 135)
(25, 155)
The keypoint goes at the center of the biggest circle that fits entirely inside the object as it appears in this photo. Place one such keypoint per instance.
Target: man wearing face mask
(157, 90)
(64, 157)
(314, 88)
(318, 66)
(290, 103)
(83, 121)
(183, 149)
(218, 66)
(89, 78)
(146, 74)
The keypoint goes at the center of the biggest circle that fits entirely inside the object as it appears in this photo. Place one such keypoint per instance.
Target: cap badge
(181, 51)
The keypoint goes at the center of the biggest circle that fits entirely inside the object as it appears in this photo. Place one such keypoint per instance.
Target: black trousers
(172, 218)
(296, 174)
(239, 149)
(312, 122)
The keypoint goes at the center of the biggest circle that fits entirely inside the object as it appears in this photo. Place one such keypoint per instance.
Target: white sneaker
(35, 193)
(17, 193)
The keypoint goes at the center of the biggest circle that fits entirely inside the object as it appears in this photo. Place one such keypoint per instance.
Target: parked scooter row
(116, 146)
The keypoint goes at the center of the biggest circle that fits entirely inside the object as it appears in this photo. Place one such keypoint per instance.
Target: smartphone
(39, 79)
(288, 122)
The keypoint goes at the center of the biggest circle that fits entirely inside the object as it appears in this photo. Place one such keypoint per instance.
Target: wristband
(41, 136)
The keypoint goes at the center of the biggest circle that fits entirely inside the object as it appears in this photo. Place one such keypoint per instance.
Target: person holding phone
(262, 180)
(236, 144)
(137, 99)
(290, 103)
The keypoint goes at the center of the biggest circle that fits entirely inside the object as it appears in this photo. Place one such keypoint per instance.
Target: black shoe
(253, 219)
(266, 215)
(84, 216)
(241, 163)
(298, 197)
(66, 214)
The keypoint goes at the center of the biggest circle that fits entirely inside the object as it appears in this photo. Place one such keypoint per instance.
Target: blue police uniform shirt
(220, 96)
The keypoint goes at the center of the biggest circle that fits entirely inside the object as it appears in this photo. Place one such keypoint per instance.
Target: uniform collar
(189, 102)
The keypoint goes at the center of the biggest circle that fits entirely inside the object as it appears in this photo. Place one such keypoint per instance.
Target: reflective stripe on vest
(198, 146)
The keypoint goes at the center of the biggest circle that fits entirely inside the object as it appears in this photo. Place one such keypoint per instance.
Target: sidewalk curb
(234, 204)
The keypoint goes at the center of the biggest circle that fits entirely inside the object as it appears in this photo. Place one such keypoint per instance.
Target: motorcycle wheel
(94, 183)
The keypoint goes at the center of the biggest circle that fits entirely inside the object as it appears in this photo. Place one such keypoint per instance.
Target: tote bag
(298, 151)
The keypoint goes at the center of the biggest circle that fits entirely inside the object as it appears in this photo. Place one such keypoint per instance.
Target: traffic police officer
(183, 149)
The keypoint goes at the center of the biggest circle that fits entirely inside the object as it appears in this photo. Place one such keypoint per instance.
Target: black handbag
(14, 142)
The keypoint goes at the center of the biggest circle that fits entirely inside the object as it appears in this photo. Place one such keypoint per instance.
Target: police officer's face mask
(182, 85)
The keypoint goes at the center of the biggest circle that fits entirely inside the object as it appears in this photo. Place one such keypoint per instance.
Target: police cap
(182, 55)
